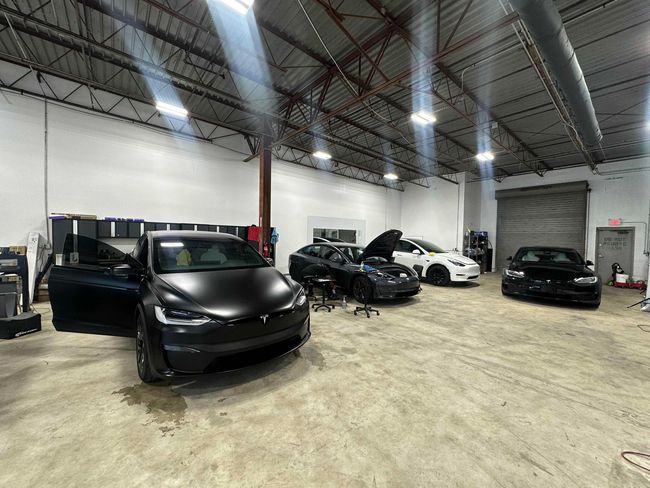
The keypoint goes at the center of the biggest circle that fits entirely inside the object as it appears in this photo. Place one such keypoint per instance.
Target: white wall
(107, 167)
(435, 213)
(22, 196)
(621, 191)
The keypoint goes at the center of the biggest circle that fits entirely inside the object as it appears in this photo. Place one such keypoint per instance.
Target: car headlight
(514, 274)
(586, 279)
(456, 263)
(301, 299)
(179, 317)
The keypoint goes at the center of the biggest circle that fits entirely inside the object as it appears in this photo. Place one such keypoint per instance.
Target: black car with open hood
(367, 273)
(197, 302)
(556, 273)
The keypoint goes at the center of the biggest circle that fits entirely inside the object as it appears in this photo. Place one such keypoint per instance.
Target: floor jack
(14, 325)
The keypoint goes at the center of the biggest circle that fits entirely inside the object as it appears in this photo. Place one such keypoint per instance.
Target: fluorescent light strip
(171, 244)
(322, 155)
(485, 156)
(174, 110)
(391, 176)
(423, 117)
(239, 6)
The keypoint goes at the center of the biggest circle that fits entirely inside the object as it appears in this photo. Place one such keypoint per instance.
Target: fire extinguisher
(265, 250)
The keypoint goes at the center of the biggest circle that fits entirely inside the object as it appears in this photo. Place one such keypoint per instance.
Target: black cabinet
(121, 229)
(103, 229)
(87, 228)
(206, 228)
(134, 229)
(60, 229)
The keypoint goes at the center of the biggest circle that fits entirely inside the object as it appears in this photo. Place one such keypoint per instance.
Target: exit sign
(615, 221)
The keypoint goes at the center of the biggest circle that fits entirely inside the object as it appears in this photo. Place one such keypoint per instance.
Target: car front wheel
(362, 290)
(142, 352)
(438, 275)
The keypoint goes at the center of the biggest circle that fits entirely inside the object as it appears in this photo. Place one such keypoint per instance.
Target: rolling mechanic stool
(365, 307)
(322, 284)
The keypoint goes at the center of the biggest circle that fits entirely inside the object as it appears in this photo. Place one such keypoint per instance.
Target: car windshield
(550, 256)
(351, 252)
(427, 246)
(173, 255)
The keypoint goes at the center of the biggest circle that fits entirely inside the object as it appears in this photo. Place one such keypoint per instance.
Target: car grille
(554, 275)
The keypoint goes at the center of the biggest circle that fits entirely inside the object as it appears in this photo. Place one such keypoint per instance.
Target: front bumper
(466, 273)
(564, 291)
(178, 352)
(397, 287)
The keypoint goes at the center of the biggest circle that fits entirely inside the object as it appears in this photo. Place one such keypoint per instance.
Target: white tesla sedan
(431, 262)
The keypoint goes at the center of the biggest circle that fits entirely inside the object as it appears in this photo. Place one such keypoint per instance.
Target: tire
(594, 305)
(293, 272)
(438, 275)
(361, 287)
(142, 360)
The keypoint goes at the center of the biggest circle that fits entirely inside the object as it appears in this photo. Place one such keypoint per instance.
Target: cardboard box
(18, 250)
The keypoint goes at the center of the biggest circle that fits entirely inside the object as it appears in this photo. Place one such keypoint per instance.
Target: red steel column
(265, 191)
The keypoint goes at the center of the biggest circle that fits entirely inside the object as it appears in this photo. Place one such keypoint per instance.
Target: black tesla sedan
(367, 273)
(197, 302)
(556, 273)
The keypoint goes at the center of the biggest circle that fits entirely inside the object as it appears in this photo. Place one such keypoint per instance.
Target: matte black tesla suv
(197, 302)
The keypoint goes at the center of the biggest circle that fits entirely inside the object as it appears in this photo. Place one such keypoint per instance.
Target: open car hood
(382, 246)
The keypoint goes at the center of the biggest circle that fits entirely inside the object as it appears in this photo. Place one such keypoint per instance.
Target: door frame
(597, 260)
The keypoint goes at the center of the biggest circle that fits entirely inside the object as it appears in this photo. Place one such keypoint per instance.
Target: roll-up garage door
(549, 215)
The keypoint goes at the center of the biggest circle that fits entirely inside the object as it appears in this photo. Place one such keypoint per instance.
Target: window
(85, 250)
(428, 246)
(351, 252)
(311, 251)
(556, 256)
(182, 254)
(337, 235)
(332, 255)
(405, 246)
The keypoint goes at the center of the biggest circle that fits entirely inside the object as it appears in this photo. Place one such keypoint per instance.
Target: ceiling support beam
(314, 106)
(474, 37)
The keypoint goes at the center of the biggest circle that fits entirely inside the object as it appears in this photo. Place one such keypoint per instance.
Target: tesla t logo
(264, 319)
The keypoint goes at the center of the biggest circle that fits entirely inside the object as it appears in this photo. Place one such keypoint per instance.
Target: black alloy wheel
(141, 354)
(362, 290)
(438, 275)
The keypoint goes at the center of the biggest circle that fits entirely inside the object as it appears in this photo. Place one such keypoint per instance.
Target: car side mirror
(416, 252)
(509, 258)
(134, 263)
(589, 262)
(122, 270)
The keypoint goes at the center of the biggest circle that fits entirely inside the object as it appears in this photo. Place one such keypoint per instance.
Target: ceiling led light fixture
(391, 176)
(423, 117)
(322, 155)
(171, 244)
(239, 6)
(173, 110)
(485, 156)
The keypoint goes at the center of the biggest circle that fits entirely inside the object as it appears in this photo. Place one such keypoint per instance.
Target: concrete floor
(458, 387)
